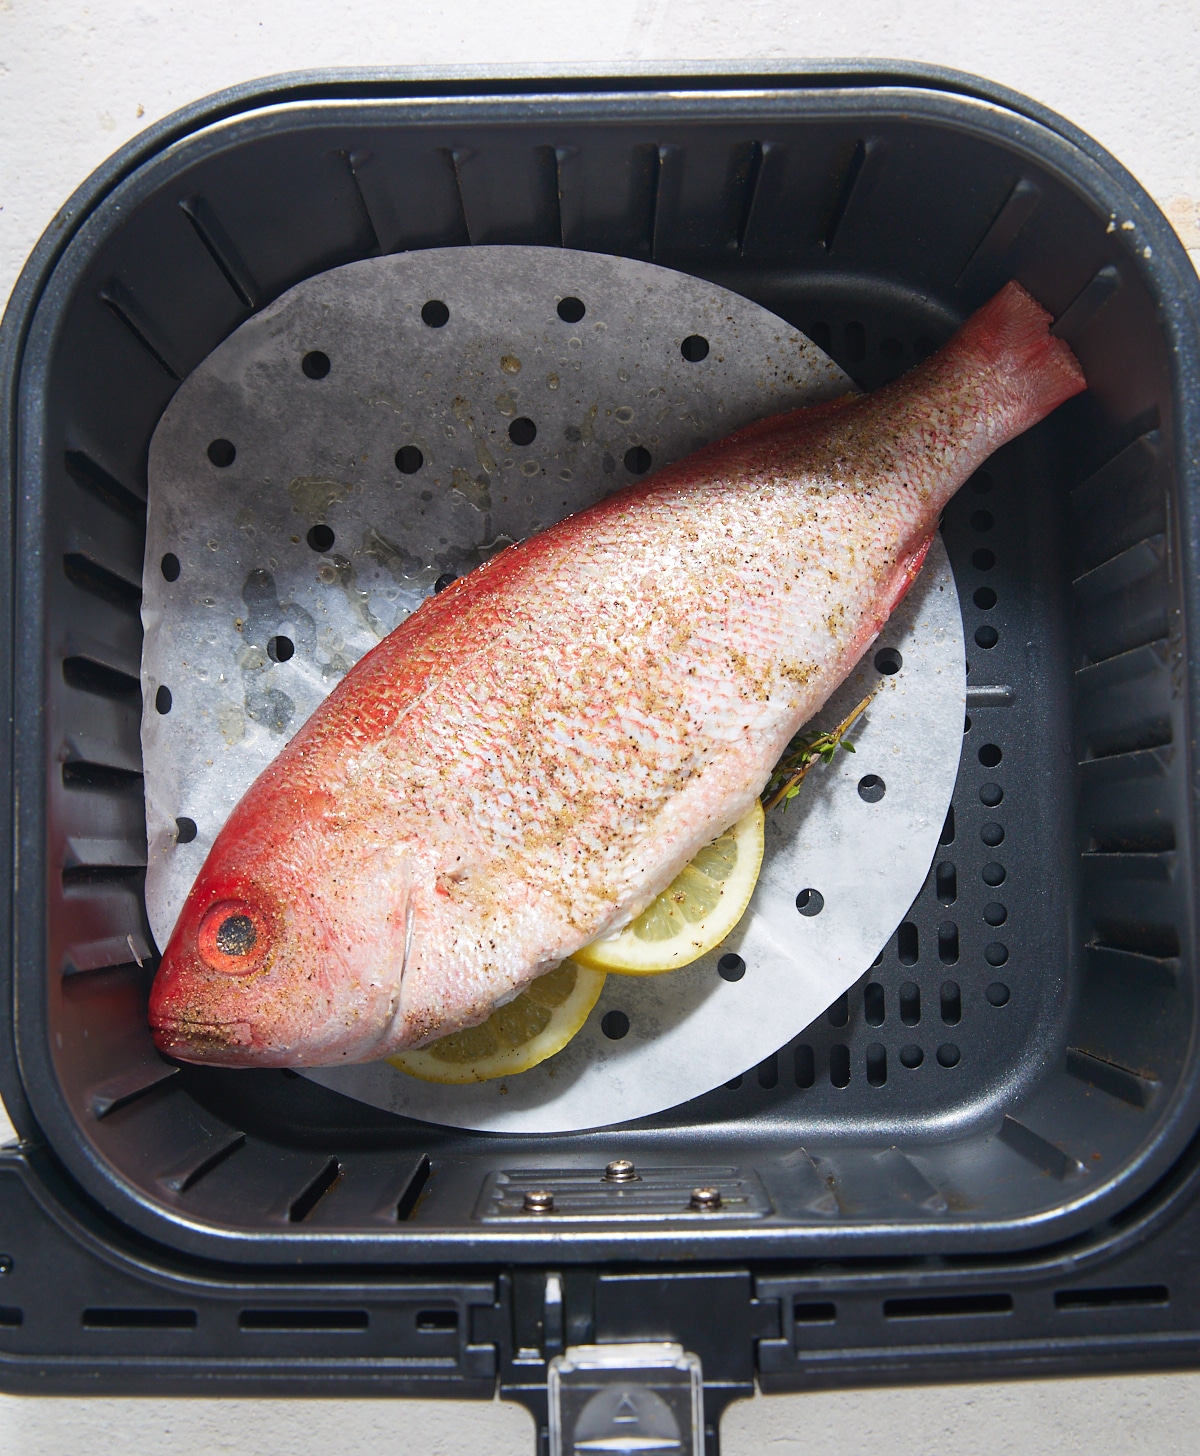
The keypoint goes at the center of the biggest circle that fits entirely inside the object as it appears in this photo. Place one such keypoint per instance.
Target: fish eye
(230, 937)
(236, 935)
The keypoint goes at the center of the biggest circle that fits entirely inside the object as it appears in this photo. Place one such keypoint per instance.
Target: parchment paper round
(310, 421)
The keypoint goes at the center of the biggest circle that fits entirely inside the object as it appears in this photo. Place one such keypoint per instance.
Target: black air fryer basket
(983, 1159)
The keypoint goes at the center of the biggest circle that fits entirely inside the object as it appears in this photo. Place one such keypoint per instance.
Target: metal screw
(621, 1170)
(538, 1200)
(706, 1200)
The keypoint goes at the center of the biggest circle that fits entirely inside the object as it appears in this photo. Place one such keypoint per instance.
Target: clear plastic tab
(626, 1400)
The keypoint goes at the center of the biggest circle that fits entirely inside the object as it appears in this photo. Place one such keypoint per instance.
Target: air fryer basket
(1020, 1064)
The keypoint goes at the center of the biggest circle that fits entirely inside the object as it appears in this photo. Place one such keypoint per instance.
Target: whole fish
(537, 752)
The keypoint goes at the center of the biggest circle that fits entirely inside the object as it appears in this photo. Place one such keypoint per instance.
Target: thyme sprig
(802, 752)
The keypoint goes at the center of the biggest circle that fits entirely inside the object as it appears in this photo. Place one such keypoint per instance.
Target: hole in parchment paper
(170, 567)
(162, 700)
(614, 1025)
(321, 538)
(315, 364)
(637, 460)
(446, 579)
(221, 453)
(810, 902)
(888, 661)
(694, 348)
(571, 310)
(409, 460)
(871, 788)
(185, 830)
(522, 431)
(730, 967)
(280, 649)
(435, 314)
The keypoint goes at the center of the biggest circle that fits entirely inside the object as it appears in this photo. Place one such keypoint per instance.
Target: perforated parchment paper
(369, 434)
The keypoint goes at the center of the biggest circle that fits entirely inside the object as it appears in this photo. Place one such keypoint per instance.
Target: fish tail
(1033, 370)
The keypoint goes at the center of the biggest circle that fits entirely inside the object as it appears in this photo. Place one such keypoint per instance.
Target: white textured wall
(77, 80)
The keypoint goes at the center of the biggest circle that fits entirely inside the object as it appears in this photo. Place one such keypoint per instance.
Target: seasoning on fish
(529, 759)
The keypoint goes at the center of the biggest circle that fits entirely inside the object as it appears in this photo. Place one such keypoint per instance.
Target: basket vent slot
(1019, 206)
(1100, 289)
(908, 945)
(437, 1321)
(188, 1171)
(100, 777)
(99, 679)
(365, 221)
(1160, 942)
(98, 581)
(139, 1319)
(947, 1306)
(1036, 1150)
(657, 158)
(416, 1186)
(454, 160)
(98, 483)
(11, 1317)
(222, 250)
(1153, 838)
(304, 1321)
(303, 1205)
(814, 1312)
(1126, 1296)
(124, 306)
(1136, 1088)
(850, 178)
(756, 154)
(122, 1090)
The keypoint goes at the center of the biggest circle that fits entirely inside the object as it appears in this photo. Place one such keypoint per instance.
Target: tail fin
(1011, 336)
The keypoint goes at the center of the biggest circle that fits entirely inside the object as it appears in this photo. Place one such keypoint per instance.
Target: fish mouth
(213, 1042)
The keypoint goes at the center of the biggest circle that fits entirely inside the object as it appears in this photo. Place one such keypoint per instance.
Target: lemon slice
(530, 1028)
(696, 911)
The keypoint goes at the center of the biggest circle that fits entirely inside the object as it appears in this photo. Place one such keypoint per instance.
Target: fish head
(289, 951)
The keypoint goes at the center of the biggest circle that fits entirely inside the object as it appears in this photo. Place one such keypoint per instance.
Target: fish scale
(531, 757)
